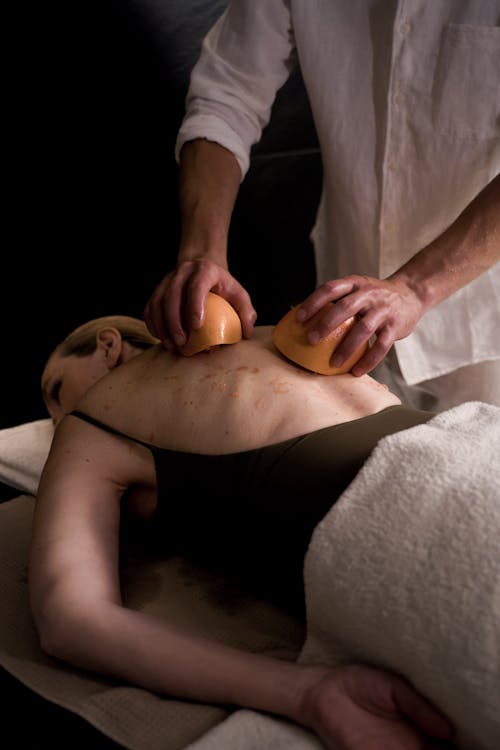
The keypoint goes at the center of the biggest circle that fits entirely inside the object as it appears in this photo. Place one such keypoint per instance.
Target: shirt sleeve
(245, 58)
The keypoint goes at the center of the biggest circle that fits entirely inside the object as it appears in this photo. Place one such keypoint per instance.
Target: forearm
(470, 246)
(131, 646)
(346, 707)
(210, 177)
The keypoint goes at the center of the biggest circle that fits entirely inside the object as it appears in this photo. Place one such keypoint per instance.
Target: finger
(164, 309)
(417, 708)
(171, 308)
(194, 312)
(221, 282)
(152, 313)
(355, 339)
(346, 308)
(373, 356)
(242, 303)
(149, 319)
(372, 322)
(330, 291)
(210, 278)
(170, 304)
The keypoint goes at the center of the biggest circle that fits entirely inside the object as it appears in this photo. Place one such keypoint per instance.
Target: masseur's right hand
(177, 304)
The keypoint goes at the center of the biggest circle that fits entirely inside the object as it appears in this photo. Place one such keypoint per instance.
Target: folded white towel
(404, 573)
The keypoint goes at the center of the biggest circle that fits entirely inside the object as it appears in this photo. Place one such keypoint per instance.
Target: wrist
(308, 697)
(204, 237)
(415, 285)
(202, 254)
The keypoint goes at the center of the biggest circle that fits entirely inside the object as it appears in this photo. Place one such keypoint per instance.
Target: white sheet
(23, 452)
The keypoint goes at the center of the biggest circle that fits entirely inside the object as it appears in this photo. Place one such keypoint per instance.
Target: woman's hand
(177, 303)
(388, 309)
(361, 708)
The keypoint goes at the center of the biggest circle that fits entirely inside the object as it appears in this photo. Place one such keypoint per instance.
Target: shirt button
(399, 98)
(405, 28)
(392, 166)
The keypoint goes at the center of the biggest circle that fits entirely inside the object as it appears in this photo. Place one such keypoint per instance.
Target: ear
(109, 346)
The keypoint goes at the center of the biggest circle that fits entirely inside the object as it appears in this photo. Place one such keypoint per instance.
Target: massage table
(402, 573)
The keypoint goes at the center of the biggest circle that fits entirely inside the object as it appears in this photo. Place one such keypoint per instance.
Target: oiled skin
(247, 394)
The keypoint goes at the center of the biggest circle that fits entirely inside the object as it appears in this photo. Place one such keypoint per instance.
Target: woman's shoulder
(125, 382)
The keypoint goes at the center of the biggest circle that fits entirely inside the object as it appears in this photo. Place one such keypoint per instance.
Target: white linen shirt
(406, 102)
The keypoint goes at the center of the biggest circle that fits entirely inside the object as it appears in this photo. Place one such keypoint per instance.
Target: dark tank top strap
(108, 428)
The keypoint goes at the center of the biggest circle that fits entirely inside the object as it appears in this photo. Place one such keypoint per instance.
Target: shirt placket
(393, 177)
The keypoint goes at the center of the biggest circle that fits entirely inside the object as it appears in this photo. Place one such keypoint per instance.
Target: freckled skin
(247, 392)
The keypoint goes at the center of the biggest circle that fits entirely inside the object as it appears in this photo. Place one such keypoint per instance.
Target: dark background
(95, 98)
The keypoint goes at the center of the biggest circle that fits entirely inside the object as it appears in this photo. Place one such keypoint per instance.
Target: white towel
(404, 573)
(23, 452)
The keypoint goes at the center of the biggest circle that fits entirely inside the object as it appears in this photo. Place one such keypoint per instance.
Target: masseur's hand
(360, 708)
(177, 305)
(388, 309)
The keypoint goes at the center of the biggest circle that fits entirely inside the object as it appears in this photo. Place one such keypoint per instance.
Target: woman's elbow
(52, 633)
(56, 623)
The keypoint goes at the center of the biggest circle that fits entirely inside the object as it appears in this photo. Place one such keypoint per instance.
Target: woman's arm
(75, 596)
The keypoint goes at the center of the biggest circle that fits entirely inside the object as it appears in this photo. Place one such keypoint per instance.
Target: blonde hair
(83, 340)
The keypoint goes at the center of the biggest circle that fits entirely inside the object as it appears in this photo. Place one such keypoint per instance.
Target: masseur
(405, 98)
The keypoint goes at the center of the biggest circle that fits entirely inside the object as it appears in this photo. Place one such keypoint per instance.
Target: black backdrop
(94, 100)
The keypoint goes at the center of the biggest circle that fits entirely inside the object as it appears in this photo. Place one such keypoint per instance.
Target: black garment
(251, 514)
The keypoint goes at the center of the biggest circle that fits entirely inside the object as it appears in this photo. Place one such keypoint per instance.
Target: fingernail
(337, 361)
(314, 338)
(301, 315)
(179, 340)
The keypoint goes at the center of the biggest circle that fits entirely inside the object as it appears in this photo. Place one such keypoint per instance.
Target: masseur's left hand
(388, 309)
(360, 708)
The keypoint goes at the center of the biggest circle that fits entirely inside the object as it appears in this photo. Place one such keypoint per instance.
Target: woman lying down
(206, 447)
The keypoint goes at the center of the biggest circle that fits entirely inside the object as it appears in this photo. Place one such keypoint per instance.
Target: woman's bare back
(228, 399)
